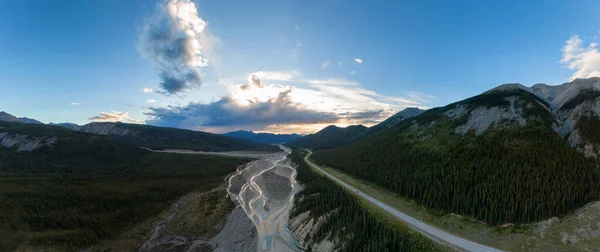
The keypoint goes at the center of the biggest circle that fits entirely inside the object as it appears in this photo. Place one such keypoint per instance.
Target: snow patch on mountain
(481, 118)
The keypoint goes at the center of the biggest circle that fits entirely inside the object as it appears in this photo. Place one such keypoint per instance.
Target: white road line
(425, 229)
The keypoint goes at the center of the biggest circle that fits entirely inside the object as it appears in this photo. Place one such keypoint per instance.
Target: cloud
(75, 103)
(147, 90)
(352, 72)
(584, 60)
(340, 63)
(325, 64)
(226, 112)
(296, 27)
(150, 101)
(260, 106)
(114, 116)
(299, 44)
(332, 81)
(358, 60)
(173, 39)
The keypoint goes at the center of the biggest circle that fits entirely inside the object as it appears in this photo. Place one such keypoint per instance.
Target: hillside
(268, 138)
(395, 119)
(329, 137)
(172, 138)
(499, 156)
(67, 189)
(72, 126)
(6, 117)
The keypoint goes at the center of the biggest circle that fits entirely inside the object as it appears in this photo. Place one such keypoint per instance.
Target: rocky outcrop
(106, 128)
(24, 142)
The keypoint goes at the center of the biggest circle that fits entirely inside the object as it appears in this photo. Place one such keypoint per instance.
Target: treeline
(347, 220)
(518, 175)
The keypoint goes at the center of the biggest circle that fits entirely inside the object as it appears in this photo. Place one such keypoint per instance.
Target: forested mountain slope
(325, 217)
(496, 156)
(62, 190)
(329, 137)
(171, 138)
(395, 119)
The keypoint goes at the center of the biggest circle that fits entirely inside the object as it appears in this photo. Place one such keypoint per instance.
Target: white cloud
(113, 116)
(358, 60)
(75, 103)
(584, 60)
(332, 81)
(299, 44)
(147, 90)
(325, 64)
(150, 101)
(352, 72)
(176, 40)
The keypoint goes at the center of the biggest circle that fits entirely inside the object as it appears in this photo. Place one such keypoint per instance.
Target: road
(425, 229)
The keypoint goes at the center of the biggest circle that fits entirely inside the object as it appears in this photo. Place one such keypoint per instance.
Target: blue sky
(70, 60)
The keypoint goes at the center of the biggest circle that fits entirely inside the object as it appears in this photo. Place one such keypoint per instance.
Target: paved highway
(425, 229)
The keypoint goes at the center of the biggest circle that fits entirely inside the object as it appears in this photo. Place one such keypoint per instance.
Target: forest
(348, 220)
(507, 175)
(86, 188)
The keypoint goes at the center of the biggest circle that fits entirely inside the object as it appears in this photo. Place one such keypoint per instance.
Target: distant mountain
(171, 138)
(6, 117)
(329, 137)
(72, 126)
(512, 154)
(264, 137)
(395, 119)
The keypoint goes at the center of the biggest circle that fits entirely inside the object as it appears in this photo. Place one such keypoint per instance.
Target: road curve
(425, 229)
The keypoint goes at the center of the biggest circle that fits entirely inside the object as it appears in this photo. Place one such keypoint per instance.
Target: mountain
(95, 187)
(513, 154)
(263, 137)
(72, 126)
(6, 117)
(395, 119)
(171, 138)
(329, 137)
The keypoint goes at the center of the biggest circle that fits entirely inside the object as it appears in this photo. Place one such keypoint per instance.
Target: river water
(265, 189)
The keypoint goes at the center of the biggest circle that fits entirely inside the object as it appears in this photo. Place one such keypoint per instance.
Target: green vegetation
(87, 188)
(509, 174)
(588, 127)
(330, 137)
(584, 95)
(170, 138)
(348, 220)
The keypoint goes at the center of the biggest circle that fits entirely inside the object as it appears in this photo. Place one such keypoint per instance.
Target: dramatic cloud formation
(261, 106)
(113, 116)
(325, 64)
(172, 39)
(147, 90)
(358, 60)
(584, 60)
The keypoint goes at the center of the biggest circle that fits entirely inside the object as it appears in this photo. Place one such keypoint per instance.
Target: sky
(279, 66)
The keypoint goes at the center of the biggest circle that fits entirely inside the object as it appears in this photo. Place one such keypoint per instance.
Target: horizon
(289, 68)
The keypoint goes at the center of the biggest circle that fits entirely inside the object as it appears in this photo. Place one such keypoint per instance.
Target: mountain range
(513, 154)
(269, 138)
(333, 136)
